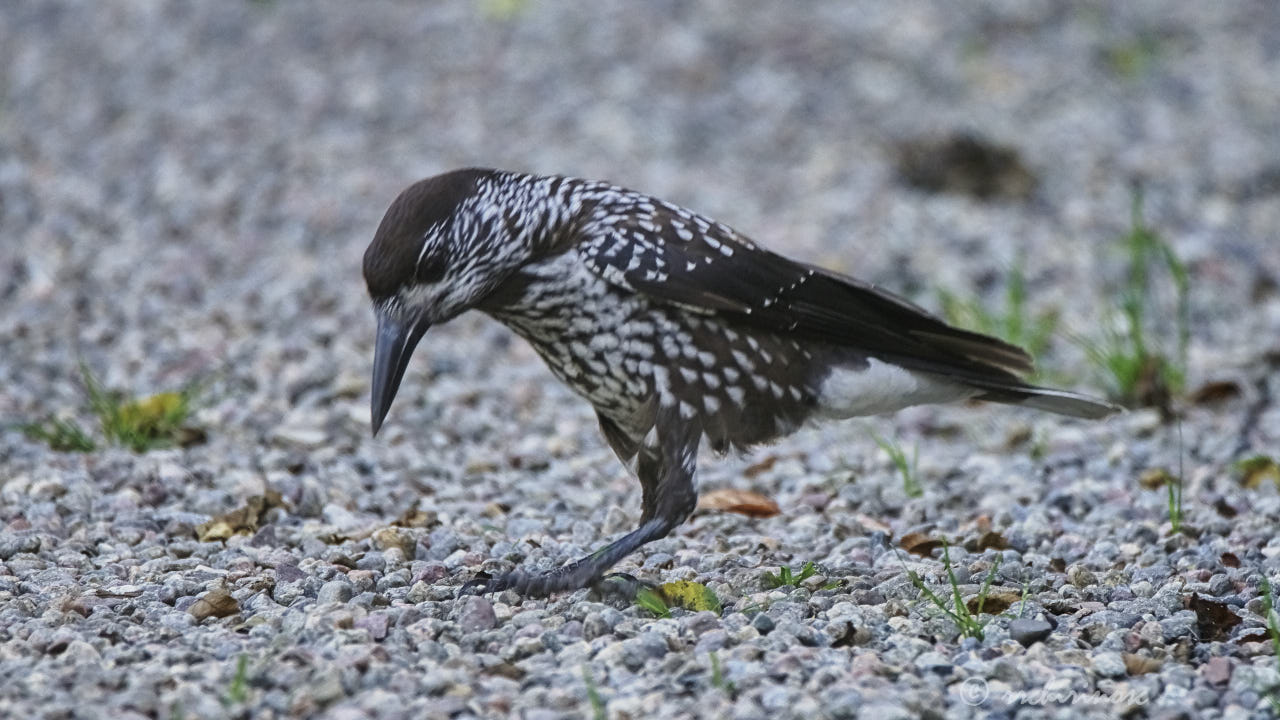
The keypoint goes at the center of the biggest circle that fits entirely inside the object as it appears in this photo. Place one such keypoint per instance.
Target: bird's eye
(431, 268)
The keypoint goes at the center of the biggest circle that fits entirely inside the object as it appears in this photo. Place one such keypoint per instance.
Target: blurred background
(182, 179)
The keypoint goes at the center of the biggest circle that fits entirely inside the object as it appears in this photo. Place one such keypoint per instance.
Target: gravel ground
(185, 193)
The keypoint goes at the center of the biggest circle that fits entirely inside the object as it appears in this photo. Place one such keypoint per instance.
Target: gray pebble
(643, 649)
(1109, 665)
(763, 623)
(12, 544)
(1180, 625)
(476, 614)
(335, 591)
(1029, 630)
(933, 662)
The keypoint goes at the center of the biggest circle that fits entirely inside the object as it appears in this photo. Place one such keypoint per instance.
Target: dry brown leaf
(965, 163)
(872, 524)
(1140, 664)
(190, 436)
(919, 544)
(1213, 619)
(743, 502)
(1215, 392)
(1017, 437)
(992, 540)
(997, 601)
(415, 518)
(506, 670)
(242, 520)
(1156, 478)
(215, 603)
(1224, 508)
(763, 466)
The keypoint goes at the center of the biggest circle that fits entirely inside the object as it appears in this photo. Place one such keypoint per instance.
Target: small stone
(1109, 664)
(615, 520)
(641, 650)
(763, 624)
(120, 591)
(599, 624)
(11, 545)
(1253, 678)
(1080, 576)
(1180, 625)
(933, 662)
(476, 614)
(1217, 671)
(334, 591)
(418, 593)
(1029, 631)
(361, 580)
(302, 436)
(289, 572)
(778, 698)
(526, 617)
(326, 686)
(1220, 585)
(375, 624)
(394, 537)
(372, 561)
(526, 646)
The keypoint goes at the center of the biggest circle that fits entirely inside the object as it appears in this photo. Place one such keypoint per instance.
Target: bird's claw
(532, 584)
(614, 586)
(621, 586)
(477, 585)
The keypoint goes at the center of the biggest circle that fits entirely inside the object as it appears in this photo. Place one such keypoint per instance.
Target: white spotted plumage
(672, 325)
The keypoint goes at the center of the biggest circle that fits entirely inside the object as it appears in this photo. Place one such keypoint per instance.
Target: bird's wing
(675, 256)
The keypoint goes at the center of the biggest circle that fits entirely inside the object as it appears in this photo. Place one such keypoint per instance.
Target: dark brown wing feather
(675, 256)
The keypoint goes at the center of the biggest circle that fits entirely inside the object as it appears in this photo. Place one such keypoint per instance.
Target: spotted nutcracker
(672, 325)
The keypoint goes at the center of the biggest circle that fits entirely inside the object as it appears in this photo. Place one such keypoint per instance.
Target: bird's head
(440, 249)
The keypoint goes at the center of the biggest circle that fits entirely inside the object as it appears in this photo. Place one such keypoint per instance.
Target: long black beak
(396, 341)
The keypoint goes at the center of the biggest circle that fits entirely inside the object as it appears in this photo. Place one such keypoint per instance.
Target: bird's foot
(576, 575)
(621, 586)
(535, 584)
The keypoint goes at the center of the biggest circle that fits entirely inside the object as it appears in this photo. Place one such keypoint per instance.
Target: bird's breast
(626, 353)
(594, 337)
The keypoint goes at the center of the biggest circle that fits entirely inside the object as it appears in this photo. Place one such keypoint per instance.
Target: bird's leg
(665, 466)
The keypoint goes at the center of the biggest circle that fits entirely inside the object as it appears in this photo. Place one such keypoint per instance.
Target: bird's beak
(396, 341)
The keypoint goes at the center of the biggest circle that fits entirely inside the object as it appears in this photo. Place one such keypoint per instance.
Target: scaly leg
(665, 466)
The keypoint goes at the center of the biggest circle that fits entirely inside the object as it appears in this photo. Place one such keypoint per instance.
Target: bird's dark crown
(395, 258)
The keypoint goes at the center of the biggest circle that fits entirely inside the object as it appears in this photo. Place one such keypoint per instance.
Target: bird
(673, 326)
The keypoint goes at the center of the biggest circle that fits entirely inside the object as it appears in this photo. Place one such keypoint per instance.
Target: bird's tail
(1061, 402)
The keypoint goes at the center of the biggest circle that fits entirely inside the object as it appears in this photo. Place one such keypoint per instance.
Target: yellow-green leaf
(690, 596)
(1258, 468)
(158, 411)
(653, 602)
